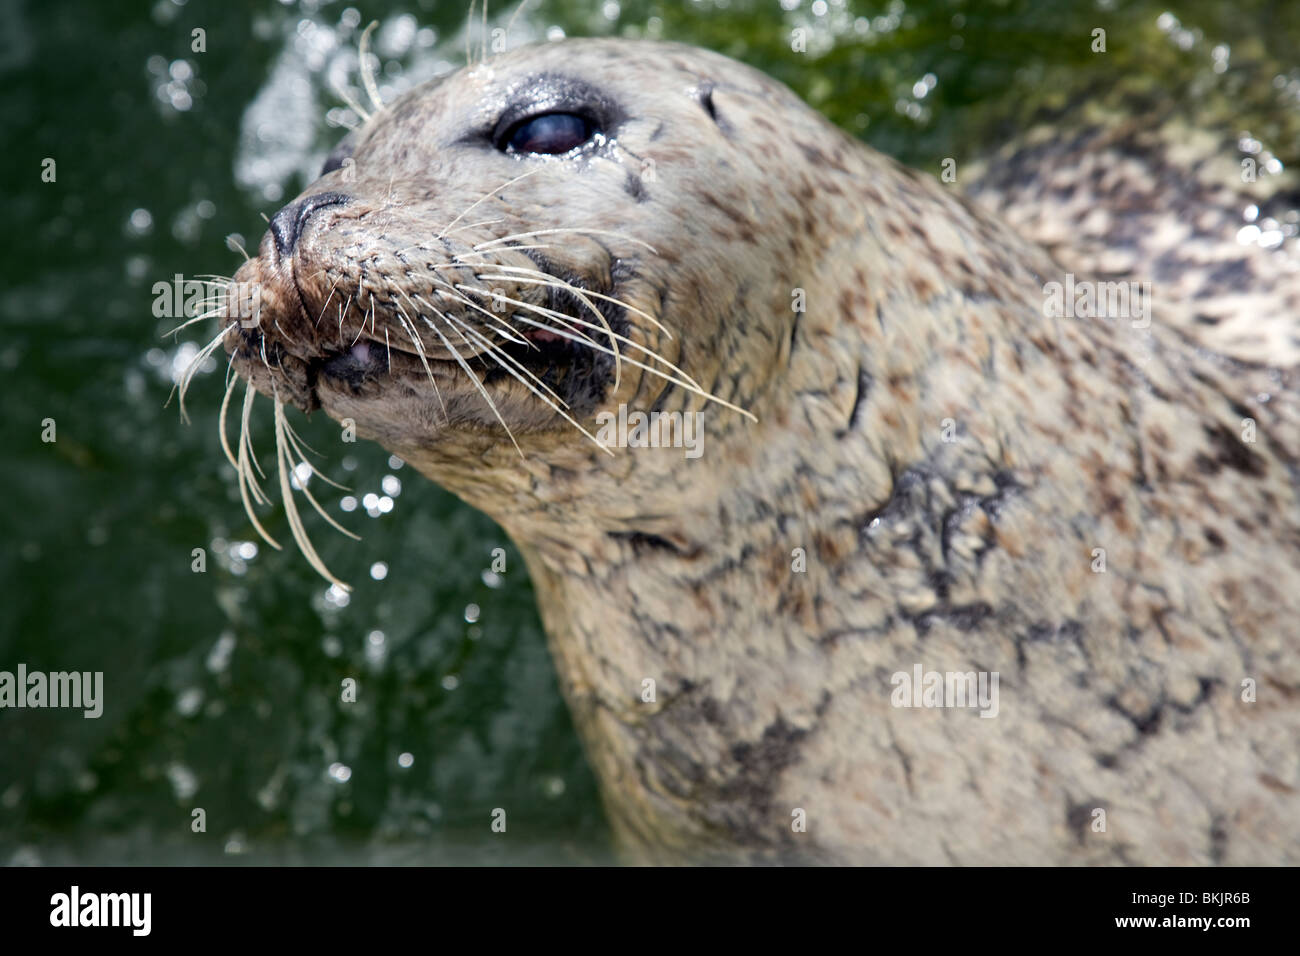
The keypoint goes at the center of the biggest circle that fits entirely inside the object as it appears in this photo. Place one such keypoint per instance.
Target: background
(221, 689)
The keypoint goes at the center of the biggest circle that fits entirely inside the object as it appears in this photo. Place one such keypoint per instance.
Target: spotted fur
(948, 458)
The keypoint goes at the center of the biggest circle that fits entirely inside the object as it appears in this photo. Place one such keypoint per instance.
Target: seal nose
(288, 223)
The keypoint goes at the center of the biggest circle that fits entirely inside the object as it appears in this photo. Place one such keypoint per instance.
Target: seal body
(942, 472)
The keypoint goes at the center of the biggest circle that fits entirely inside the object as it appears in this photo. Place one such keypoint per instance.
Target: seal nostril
(288, 223)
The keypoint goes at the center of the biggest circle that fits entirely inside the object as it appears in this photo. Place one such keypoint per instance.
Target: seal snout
(287, 225)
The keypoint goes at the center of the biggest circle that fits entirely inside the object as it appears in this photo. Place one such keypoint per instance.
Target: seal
(977, 563)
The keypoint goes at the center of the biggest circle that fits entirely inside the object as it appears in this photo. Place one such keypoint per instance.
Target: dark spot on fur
(1145, 724)
(1218, 839)
(642, 543)
(1230, 451)
(1274, 784)
(635, 187)
(864, 389)
(967, 617)
(1078, 818)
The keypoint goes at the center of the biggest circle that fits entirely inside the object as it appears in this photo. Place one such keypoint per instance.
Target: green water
(222, 688)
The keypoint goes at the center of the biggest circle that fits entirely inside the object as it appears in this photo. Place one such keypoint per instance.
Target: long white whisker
(487, 243)
(221, 423)
(498, 353)
(409, 326)
(473, 378)
(244, 472)
(187, 376)
(246, 439)
(556, 407)
(469, 20)
(293, 442)
(291, 506)
(545, 278)
(690, 386)
(353, 105)
(449, 291)
(367, 78)
(568, 321)
(486, 196)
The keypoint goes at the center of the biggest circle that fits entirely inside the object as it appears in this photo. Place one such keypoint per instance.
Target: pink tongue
(543, 335)
(361, 352)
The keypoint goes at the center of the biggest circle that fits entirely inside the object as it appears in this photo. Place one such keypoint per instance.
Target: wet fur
(1120, 690)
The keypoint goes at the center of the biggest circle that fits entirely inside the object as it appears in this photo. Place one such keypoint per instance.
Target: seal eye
(550, 133)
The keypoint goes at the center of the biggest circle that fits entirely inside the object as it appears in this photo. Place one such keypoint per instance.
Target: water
(222, 689)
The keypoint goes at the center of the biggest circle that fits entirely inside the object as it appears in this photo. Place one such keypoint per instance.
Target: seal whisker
(187, 376)
(469, 21)
(483, 33)
(581, 296)
(487, 243)
(201, 317)
(690, 386)
(514, 335)
(468, 371)
(518, 9)
(477, 383)
(485, 197)
(567, 319)
(362, 328)
(247, 439)
(233, 244)
(498, 353)
(473, 378)
(244, 472)
(367, 78)
(546, 278)
(516, 248)
(343, 310)
(409, 326)
(325, 304)
(286, 335)
(296, 446)
(291, 506)
(471, 225)
(221, 423)
(428, 244)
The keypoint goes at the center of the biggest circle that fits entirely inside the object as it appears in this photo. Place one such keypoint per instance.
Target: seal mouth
(563, 365)
(563, 345)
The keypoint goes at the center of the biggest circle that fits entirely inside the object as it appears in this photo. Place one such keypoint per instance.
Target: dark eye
(549, 133)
